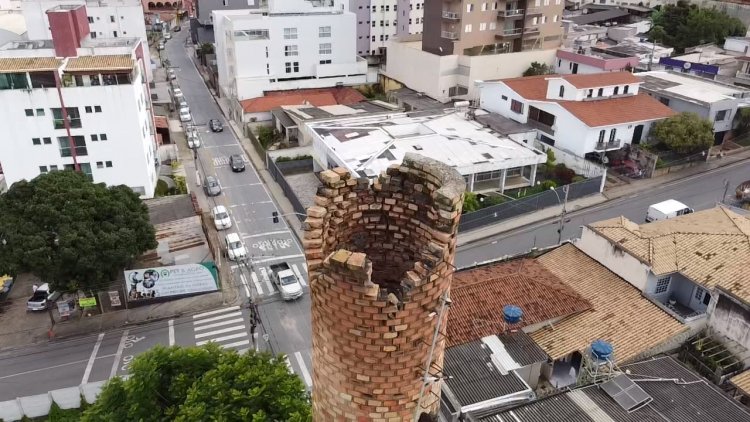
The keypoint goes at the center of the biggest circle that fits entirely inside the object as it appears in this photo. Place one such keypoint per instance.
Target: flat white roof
(707, 57)
(692, 87)
(369, 144)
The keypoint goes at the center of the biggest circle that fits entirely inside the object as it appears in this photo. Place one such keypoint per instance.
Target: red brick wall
(380, 259)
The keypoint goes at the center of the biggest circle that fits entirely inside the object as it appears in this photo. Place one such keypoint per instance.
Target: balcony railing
(743, 75)
(509, 13)
(530, 32)
(509, 33)
(604, 146)
(451, 15)
(534, 11)
(449, 35)
(541, 126)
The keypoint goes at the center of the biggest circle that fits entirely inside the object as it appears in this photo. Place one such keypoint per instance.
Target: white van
(666, 210)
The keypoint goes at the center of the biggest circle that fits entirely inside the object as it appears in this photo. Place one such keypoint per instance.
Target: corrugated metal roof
(106, 62)
(27, 64)
(522, 348)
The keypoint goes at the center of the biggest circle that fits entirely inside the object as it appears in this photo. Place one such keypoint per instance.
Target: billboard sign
(175, 280)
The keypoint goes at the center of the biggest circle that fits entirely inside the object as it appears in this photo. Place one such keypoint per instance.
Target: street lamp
(564, 202)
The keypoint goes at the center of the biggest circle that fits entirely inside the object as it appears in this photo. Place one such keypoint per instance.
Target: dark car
(211, 186)
(215, 125)
(237, 162)
(177, 28)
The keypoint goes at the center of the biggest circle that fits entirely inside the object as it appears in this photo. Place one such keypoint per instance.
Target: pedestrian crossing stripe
(224, 160)
(225, 327)
(260, 279)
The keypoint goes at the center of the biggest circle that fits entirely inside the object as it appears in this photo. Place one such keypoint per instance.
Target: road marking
(222, 331)
(52, 367)
(218, 324)
(218, 317)
(218, 311)
(245, 185)
(244, 284)
(247, 236)
(171, 332)
(220, 339)
(236, 344)
(255, 341)
(92, 358)
(277, 258)
(303, 368)
(266, 279)
(258, 287)
(118, 354)
(299, 275)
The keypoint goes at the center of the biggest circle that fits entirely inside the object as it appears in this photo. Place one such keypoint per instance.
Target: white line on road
(220, 339)
(278, 258)
(298, 274)
(242, 186)
(217, 311)
(171, 332)
(217, 324)
(256, 282)
(255, 341)
(303, 368)
(235, 344)
(52, 367)
(92, 358)
(118, 355)
(216, 318)
(244, 284)
(247, 236)
(222, 331)
(264, 276)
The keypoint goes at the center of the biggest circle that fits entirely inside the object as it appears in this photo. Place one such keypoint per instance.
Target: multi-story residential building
(106, 19)
(380, 20)
(204, 9)
(76, 102)
(292, 44)
(582, 114)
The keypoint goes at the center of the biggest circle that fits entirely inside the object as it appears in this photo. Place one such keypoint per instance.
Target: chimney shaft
(68, 25)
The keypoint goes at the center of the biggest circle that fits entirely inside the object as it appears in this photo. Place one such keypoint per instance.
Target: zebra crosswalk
(224, 160)
(225, 326)
(298, 363)
(260, 278)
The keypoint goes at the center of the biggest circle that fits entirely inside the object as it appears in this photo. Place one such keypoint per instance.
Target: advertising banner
(175, 280)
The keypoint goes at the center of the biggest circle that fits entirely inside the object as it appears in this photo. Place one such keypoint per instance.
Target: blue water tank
(512, 314)
(601, 350)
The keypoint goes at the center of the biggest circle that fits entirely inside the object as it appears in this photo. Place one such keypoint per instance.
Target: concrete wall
(204, 8)
(731, 318)
(39, 405)
(579, 165)
(615, 259)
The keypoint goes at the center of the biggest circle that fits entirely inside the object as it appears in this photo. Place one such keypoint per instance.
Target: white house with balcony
(581, 114)
(77, 103)
(290, 44)
(713, 100)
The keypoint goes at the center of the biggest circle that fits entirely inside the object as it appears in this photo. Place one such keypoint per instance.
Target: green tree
(71, 232)
(684, 133)
(205, 383)
(743, 121)
(206, 48)
(537, 68)
(471, 203)
(687, 25)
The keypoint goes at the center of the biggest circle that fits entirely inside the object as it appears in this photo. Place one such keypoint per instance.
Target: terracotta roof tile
(161, 122)
(104, 62)
(316, 97)
(479, 295)
(635, 108)
(710, 247)
(620, 314)
(22, 64)
(742, 382)
(529, 87)
(595, 80)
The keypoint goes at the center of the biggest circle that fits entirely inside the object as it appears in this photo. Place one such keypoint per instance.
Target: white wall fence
(39, 405)
(578, 164)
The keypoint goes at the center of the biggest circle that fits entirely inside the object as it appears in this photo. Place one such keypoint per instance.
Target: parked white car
(185, 115)
(193, 140)
(235, 248)
(171, 75)
(167, 36)
(221, 217)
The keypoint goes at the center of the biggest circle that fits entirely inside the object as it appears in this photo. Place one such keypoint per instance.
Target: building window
(324, 48)
(554, 18)
(600, 92)
(86, 169)
(65, 149)
(325, 61)
(534, 21)
(108, 164)
(482, 26)
(625, 89)
(290, 50)
(111, 18)
(97, 109)
(40, 112)
(612, 134)
(699, 293)
(562, 91)
(493, 25)
(290, 33)
(325, 31)
(617, 90)
(721, 115)
(664, 101)
(74, 118)
(484, 7)
(469, 7)
(91, 20)
(467, 28)
(47, 141)
(93, 34)
(102, 136)
(662, 285)
(94, 138)
(88, 109)
(590, 93)
(100, 164)
(601, 135)
(114, 34)
(29, 112)
(292, 67)
(516, 106)
(53, 168)
(544, 19)
(42, 169)
(504, 97)
(36, 141)
(13, 81)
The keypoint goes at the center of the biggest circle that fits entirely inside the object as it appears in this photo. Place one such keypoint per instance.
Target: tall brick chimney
(380, 259)
(68, 24)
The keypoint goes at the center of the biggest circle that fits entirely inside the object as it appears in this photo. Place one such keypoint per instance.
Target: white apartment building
(293, 44)
(106, 19)
(77, 103)
(378, 21)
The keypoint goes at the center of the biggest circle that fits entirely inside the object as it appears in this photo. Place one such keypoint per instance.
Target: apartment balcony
(742, 75)
(449, 35)
(531, 32)
(541, 126)
(509, 34)
(510, 14)
(534, 11)
(606, 146)
(451, 15)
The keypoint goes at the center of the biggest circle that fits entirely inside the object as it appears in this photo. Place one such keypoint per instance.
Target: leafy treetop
(684, 133)
(684, 25)
(537, 68)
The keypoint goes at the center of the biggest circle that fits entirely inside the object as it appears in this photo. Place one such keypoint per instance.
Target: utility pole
(566, 190)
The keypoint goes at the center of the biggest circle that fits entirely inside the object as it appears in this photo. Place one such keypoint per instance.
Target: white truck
(42, 298)
(287, 282)
(666, 210)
